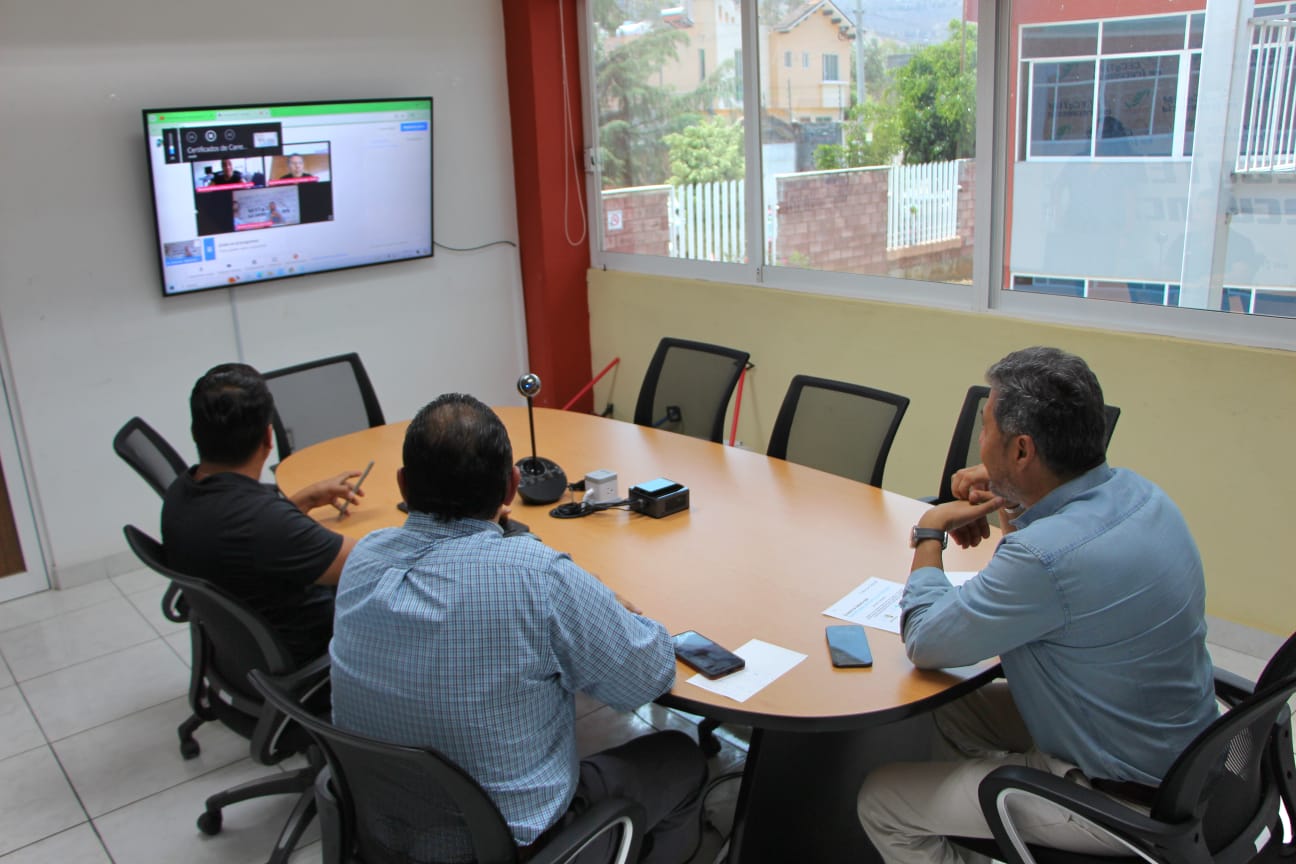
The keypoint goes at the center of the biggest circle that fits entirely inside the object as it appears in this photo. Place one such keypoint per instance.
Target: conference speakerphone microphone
(542, 482)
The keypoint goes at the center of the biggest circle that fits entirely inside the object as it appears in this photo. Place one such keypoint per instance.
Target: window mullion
(754, 194)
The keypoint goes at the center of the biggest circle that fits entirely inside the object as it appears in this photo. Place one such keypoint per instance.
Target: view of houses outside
(671, 134)
(1152, 143)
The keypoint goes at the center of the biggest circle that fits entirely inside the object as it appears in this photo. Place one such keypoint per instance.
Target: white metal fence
(922, 204)
(707, 221)
(1268, 139)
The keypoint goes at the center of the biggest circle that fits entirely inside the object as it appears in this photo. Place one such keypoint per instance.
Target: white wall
(91, 341)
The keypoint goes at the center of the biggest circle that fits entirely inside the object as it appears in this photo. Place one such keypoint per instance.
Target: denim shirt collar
(1053, 501)
(446, 529)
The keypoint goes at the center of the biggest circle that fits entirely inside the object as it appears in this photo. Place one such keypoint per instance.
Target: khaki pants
(909, 808)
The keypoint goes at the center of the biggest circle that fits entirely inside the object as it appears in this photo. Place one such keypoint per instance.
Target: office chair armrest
(306, 680)
(1130, 826)
(174, 607)
(1232, 688)
(304, 685)
(603, 816)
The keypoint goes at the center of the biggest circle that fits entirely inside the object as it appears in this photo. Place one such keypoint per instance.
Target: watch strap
(920, 534)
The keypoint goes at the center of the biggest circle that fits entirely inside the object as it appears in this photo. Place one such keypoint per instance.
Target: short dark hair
(230, 408)
(1055, 398)
(458, 459)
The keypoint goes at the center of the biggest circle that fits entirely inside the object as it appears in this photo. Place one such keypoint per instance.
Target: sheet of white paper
(765, 662)
(958, 577)
(874, 603)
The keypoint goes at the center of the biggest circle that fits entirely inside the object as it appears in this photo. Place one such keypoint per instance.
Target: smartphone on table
(706, 656)
(848, 645)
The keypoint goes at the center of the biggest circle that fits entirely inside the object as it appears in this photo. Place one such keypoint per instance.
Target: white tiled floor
(92, 687)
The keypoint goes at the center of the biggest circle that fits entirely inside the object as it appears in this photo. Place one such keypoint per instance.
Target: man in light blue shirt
(1094, 601)
(454, 633)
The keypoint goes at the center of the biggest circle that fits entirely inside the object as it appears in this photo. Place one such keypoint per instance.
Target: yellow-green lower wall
(1211, 424)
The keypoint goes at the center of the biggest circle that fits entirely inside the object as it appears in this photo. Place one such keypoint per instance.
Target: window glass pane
(1059, 40)
(1149, 293)
(1061, 108)
(1143, 34)
(1275, 303)
(1166, 225)
(1138, 106)
(1049, 285)
(1190, 121)
(868, 167)
(670, 128)
(1196, 25)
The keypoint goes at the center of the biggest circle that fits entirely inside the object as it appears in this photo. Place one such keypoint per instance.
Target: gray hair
(1055, 398)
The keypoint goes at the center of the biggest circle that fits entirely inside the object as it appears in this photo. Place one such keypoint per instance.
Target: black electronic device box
(659, 497)
(706, 656)
(848, 645)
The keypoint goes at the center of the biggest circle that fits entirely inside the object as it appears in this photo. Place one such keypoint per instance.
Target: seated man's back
(452, 635)
(255, 544)
(220, 524)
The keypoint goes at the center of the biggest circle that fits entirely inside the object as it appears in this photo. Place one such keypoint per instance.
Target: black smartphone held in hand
(706, 656)
(848, 645)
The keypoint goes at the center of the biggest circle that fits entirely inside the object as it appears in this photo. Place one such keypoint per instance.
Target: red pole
(585, 389)
(733, 430)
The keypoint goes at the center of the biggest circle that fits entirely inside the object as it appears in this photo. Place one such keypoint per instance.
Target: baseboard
(76, 575)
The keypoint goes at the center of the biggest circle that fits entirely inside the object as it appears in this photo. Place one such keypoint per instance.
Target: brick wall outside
(645, 220)
(837, 220)
(827, 220)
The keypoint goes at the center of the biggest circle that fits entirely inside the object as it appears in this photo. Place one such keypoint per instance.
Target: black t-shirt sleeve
(293, 547)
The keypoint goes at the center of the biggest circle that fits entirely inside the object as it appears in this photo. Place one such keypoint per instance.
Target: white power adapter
(601, 487)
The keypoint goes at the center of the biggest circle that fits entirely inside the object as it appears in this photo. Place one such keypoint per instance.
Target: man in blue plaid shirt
(454, 634)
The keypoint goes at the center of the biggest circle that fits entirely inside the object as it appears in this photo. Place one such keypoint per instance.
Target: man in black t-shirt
(220, 524)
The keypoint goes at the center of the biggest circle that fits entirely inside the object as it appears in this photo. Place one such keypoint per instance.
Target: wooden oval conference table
(765, 547)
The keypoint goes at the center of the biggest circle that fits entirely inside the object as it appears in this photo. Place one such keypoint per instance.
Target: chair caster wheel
(189, 748)
(210, 822)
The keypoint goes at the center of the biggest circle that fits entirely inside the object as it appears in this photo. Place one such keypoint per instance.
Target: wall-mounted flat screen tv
(250, 193)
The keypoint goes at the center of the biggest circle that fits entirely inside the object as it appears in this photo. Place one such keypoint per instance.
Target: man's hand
(972, 484)
(332, 491)
(965, 521)
(965, 481)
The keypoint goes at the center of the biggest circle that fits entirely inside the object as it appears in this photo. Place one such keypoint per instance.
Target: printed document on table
(765, 662)
(876, 602)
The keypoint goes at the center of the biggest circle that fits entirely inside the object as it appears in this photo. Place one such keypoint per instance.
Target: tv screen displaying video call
(251, 193)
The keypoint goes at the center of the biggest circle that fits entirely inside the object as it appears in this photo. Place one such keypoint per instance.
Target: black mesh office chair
(383, 803)
(142, 448)
(1219, 802)
(153, 458)
(229, 640)
(321, 399)
(845, 429)
(965, 446)
(687, 388)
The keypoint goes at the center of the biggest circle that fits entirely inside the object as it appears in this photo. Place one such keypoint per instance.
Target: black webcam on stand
(543, 482)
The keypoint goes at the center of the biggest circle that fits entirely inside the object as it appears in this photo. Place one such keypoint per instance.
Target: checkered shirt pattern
(450, 635)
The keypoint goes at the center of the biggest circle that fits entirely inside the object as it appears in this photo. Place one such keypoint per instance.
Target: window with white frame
(830, 68)
(1167, 225)
(1113, 188)
(1109, 88)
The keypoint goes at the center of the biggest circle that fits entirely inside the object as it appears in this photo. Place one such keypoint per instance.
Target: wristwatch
(917, 535)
